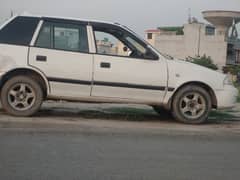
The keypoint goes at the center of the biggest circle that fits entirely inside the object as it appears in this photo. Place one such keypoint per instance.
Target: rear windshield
(19, 31)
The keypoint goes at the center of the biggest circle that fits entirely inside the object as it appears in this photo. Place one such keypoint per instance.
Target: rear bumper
(226, 98)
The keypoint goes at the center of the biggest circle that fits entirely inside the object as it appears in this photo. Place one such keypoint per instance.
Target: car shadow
(130, 114)
(126, 114)
(120, 114)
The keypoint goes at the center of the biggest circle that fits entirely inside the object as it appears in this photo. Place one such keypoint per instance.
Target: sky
(139, 15)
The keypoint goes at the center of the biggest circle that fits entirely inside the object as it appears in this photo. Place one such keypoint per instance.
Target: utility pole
(11, 13)
(189, 16)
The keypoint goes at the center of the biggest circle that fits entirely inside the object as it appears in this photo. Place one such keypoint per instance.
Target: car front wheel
(21, 96)
(192, 105)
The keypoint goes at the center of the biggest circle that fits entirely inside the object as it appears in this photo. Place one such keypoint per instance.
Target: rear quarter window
(19, 31)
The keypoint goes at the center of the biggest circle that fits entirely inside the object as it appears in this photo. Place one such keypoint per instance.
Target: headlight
(227, 81)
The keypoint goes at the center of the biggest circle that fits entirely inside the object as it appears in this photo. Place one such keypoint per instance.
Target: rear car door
(61, 52)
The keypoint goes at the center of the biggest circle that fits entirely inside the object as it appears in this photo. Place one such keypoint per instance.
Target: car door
(121, 71)
(61, 53)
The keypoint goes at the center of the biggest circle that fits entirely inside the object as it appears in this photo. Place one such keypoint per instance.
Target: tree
(204, 61)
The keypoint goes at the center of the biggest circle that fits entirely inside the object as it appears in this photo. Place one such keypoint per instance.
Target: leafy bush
(232, 69)
(204, 61)
(177, 29)
(237, 85)
(238, 98)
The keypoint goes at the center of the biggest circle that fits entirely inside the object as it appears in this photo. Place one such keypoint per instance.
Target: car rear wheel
(21, 96)
(192, 105)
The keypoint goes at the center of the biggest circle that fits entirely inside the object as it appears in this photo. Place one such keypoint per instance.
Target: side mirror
(151, 55)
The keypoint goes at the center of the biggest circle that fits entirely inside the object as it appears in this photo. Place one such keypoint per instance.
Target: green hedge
(204, 61)
(233, 69)
(238, 98)
(177, 29)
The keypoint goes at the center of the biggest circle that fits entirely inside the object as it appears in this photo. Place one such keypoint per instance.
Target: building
(106, 46)
(219, 40)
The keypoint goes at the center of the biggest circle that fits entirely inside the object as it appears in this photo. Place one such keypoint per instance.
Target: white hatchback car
(90, 61)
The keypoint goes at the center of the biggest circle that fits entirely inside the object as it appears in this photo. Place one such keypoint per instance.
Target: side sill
(101, 100)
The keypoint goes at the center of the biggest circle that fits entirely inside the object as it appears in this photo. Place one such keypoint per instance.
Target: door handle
(105, 65)
(41, 58)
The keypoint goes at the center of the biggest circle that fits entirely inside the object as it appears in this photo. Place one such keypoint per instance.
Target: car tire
(21, 96)
(162, 112)
(191, 105)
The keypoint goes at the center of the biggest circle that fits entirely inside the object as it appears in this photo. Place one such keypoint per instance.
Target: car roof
(69, 19)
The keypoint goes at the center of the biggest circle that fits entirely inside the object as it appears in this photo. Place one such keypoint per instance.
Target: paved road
(75, 147)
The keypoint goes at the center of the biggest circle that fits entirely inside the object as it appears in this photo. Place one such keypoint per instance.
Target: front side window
(63, 37)
(109, 45)
(117, 42)
(137, 45)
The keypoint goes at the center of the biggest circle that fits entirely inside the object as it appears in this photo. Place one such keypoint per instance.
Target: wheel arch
(27, 72)
(196, 83)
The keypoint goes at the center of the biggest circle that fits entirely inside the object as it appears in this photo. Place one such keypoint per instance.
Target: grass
(141, 115)
(129, 110)
(131, 114)
(221, 115)
(149, 113)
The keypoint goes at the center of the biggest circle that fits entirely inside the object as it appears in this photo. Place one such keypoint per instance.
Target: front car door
(125, 68)
(61, 52)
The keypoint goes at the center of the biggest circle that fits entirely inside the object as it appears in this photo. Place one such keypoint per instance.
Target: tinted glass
(19, 31)
(63, 37)
(66, 38)
(44, 38)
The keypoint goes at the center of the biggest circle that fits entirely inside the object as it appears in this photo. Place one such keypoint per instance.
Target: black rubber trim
(41, 58)
(126, 85)
(70, 81)
(171, 89)
(64, 20)
(111, 84)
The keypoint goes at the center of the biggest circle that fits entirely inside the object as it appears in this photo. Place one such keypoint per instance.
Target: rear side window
(63, 37)
(19, 31)
(67, 38)
(44, 38)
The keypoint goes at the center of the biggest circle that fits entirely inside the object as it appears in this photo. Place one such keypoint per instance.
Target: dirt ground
(117, 117)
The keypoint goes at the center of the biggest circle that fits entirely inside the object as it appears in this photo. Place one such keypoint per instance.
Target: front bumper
(226, 98)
